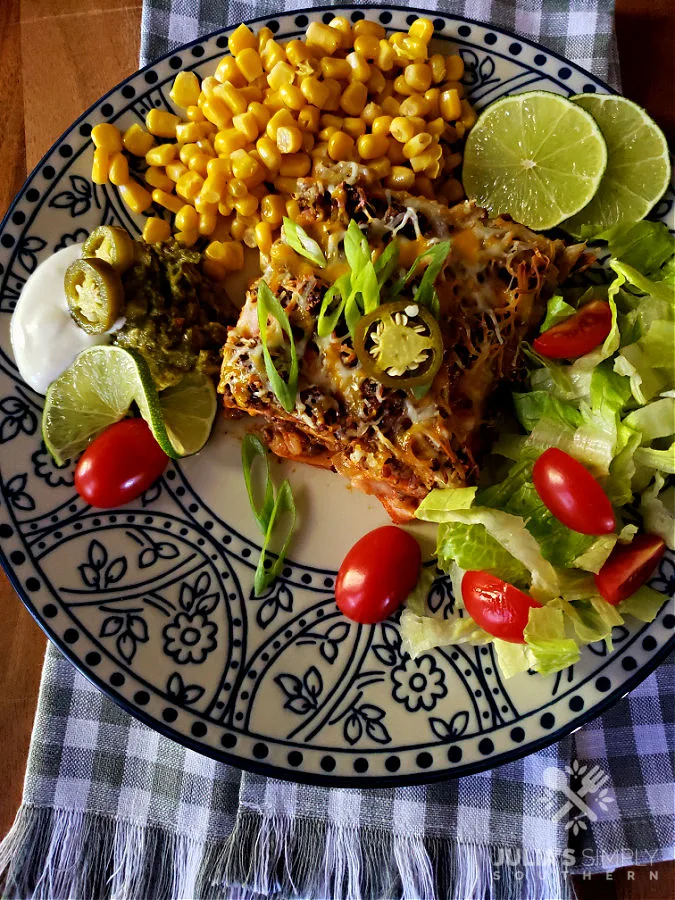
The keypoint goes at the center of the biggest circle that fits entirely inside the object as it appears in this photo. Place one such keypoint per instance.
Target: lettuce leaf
(644, 604)
(536, 405)
(557, 310)
(654, 420)
(644, 245)
(420, 634)
(547, 645)
(657, 508)
(470, 546)
(439, 501)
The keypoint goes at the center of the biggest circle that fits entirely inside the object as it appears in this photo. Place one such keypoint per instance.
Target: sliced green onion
(251, 448)
(284, 503)
(332, 306)
(268, 305)
(426, 294)
(356, 247)
(298, 239)
(386, 263)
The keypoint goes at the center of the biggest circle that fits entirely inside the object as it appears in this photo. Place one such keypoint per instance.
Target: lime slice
(638, 165)
(98, 390)
(535, 156)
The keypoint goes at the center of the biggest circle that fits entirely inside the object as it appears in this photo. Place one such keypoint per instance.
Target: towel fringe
(57, 854)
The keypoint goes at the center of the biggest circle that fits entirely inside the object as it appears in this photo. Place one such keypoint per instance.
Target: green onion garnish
(268, 305)
(298, 239)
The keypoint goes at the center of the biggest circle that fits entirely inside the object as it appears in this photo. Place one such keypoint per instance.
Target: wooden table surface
(58, 57)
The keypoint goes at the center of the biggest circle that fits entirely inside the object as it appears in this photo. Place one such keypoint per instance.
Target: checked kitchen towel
(112, 809)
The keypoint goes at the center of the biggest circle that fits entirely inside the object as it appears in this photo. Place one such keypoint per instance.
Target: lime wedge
(98, 390)
(535, 156)
(638, 165)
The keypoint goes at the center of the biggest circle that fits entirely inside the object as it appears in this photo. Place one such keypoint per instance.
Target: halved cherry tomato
(571, 493)
(628, 567)
(498, 607)
(377, 574)
(581, 333)
(120, 464)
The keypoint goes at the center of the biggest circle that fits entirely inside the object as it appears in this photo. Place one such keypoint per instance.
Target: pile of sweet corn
(271, 113)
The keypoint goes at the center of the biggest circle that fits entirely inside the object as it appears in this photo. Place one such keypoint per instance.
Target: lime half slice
(535, 156)
(638, 165)
(98, 390)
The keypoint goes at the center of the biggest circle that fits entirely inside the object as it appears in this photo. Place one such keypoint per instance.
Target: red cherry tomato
(498, 607)
(571, 493)
(120, 464)
(377, 574)
(581, 333)
(628, 567)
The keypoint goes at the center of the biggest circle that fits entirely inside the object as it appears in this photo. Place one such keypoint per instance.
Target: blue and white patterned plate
(153, 601)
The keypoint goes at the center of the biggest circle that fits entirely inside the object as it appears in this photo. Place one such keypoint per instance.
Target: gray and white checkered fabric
(112, 809)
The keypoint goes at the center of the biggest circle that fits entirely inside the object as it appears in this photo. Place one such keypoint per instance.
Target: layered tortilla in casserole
(389, 442)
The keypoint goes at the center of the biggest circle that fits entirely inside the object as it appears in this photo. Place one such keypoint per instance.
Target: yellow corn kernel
(190, 132)
(137, 141)
(292, 96)
(314, 91)
(326, 133)
(437, 66)
(107, 137)
(289, 139)
(189, 186)
(308, 119)
(307, 141)
(395, 153)
(424, 187)
(203, 206)
(335, 68)
(213, 270)
(213, 189)
(370, 112)
(401, 129)
(343, 25)
(247, 124)
(436, 127)
(368, 46)
(174, 170)
(265, 34)
(370, 146)
(282, 73)
(185, 89)
(385, 58)
(376, 84)
(413, 48)
(452, 191)
(297, 52)
(340, 146)
(354, 98)
(207, 222)
(249, 63)
(243, 229)
(161, 155)
(380, 167)
(101, 166)
(261, 114)
(281, 117)
(272, 210)
(168, 201)
(460, 129)
(416, 105)
(400, 178)
(418, 76)
(323, 38)
(135, 196)
(320, 151)
(272, 54)
(220, 164)
(186, 238)
(263, 237)
(118, 171)
(218, 111)
(273, 101)
(450, 105)
(233, 97)
(334, 94)
(366, 26)
(417, 144)
(433, 98)
(236, 188)
(418, 123)
(209, 84)
(452, 160)
(295, 165)
(156, 230)
(231, 255)
(156, 177)
(360, 68)
(246, 206)
(401, 86)
(454, 68)
(226, 142)
(194, 114)
(381, 125)
(422, 29)
(162, 123)
(269, 153)
(198, 163)
(390, 107)
(244, 165)
(468, 115)
(421, 162)
(227, 70)
(187, 218)
(241, 38)
(328, 120)
(353, 125)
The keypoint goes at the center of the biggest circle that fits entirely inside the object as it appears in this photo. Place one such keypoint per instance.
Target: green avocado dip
(175, 316)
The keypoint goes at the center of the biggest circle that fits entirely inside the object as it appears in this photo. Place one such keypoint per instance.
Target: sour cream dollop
(45, 339)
